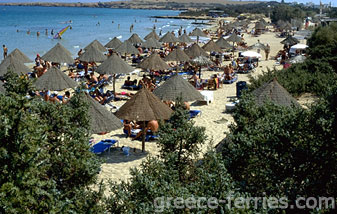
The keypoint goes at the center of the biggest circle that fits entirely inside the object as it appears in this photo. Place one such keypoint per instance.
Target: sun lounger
(194, 113)
(102, 146)
(234, 78)
(149, 136)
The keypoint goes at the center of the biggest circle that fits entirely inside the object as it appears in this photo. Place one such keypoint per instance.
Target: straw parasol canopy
(17, 54)
(135, 39)
(127, 48)
(151, 43)
(297, 59)
(186, 39)
(198, 32)
(260, 26)
(58, 54)
(2, 88)
(234, 38)
(114, 43)
(222, 43)
(258, 45)
(144, 106)
(152, 35)
(169, 38)
(114, 65)
(211, 46)
(290, 41)
(101, 120)
(274, 92)
(54, 80)
(201, 61)
(227, 27)
(97, 45)
(177, 55)
(176, 87)
(154, 62)
(195, 50)
(13, 64)
(92, 54)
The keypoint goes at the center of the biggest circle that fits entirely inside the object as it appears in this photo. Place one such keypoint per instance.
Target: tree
(46, 164)
(159, 182)
(283, 151)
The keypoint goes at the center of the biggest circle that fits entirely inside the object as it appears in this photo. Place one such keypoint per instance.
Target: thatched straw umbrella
(195, 50)
(97, 45)
(176, 87)
(13, 64)
(92, 54)
(114, 43)
(185, 39)
(17, 54)
(144, 106)
(135, 39)
(177, 55)
(201, 61)
(127, 48)
(154, 62)
(223, 44)
(114, 65)
(258, 45)
(101, 120)
(152, 35)
(151, 43)
(58, 54)
(274, 92)
(211, 46)
(198, 33)
(290, 41)
(259, 26)
(169, 38)
(54, 80)
(234, 38)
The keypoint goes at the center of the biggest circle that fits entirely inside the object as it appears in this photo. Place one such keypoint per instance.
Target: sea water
(87, 25)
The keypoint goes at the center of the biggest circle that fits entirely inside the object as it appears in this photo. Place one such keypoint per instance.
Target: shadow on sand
(116, 155)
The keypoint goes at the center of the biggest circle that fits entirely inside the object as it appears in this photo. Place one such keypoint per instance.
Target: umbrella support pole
(114, 85)
(143, 137)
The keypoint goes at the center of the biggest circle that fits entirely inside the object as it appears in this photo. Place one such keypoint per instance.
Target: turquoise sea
(87, 24)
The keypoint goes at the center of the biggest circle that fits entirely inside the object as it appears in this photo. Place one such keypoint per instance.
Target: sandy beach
(214, 117)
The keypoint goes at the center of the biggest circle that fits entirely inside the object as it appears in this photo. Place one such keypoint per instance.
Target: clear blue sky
(299, 1)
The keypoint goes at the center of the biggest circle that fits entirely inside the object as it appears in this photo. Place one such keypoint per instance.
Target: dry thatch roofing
(97, 45)
(176, 87)
(234, 38)
(154, 62)
(184, 38)
(127, 48)
(58, 54)
(114, 43)
(54, 80)
(168, 38)
(195, 50)
(101, 120)
(177, 55)
(260, 26)
(151, 43)
(13, 64)
(152, 35)
(114, 65)
(92, 54)
(222, 43)
(16, 53)
(144, 106)
(274, 92)
(211, 46)
(135, 39)
(290, 41)
(198, 32)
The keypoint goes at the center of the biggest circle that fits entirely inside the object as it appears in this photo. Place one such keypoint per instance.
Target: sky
(83, 1)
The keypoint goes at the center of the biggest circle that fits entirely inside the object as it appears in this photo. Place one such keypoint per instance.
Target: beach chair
(194, 113)
(102, 146)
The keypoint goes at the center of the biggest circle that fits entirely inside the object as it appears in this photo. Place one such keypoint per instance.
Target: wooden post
(143, 137)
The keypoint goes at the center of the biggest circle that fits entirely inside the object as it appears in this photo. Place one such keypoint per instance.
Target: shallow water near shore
(87, 24)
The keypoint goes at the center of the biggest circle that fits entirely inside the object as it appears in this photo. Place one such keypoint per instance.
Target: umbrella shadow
(116, 155)
(199, 103)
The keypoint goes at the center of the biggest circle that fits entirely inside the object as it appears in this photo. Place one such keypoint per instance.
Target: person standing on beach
(46, 32)
(267, 51)
(5, 50)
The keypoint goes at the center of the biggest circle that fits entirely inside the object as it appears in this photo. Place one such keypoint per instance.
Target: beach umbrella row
(223, 44)
(211, 46)
(135, 39)
(96, 44)
(154, 62)
(58, 54)
(17, 54)
(152, 35)
(151, 43)
(169, 38)
(114, 43)
(13, 64)
(92, 54)
(195, 50)
(177, 55)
